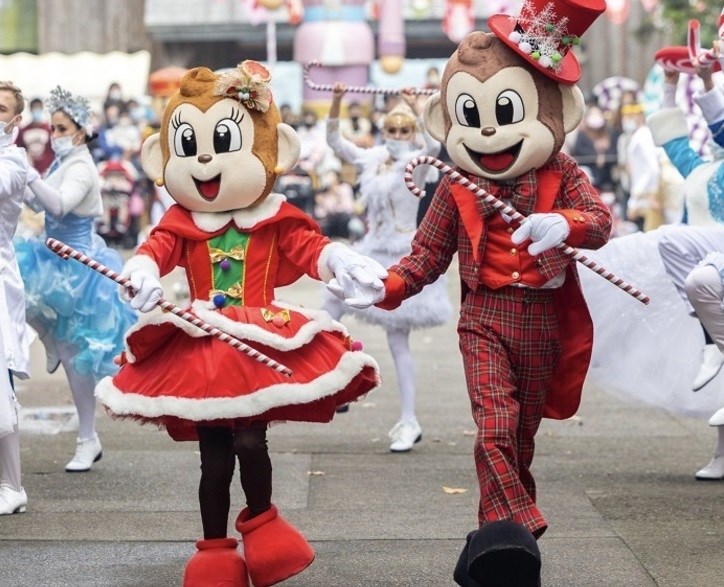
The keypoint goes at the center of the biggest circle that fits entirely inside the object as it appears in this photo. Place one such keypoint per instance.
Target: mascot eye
(509, 108)
(184, 141)
(227, 136)
(466, 111)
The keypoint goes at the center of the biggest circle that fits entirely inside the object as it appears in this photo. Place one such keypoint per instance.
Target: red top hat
(545, 31)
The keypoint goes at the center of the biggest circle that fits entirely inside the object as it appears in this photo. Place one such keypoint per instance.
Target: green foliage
(678, 13)
(18, 26)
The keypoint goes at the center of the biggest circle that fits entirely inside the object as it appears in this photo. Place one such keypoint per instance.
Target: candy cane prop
(356, 89)
(515, 215)
(706, 58)
(64, 251)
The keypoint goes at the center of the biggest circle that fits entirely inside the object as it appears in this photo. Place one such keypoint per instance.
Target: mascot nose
(205, 158)
(487, 131)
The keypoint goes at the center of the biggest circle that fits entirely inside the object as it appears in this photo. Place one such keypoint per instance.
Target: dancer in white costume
(76, 312)
(661, 357)
(14, 351)
(391, 224)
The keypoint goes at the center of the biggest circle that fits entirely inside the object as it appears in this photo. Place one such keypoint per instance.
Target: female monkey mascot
(219, 151)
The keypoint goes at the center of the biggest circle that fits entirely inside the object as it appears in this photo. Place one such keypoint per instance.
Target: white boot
(711, 364)
(11, 501)
(52, 360)
(404, 435)
(718, 418)
(87, 452)
(713, 471)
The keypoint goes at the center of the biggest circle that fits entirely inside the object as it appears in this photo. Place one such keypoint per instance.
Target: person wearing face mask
(34, 137)
(595, 148)
(14, 343)
(391, 224)
(76, 311)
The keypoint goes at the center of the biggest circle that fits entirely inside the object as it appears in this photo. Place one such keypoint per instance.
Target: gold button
(513, 251)
(511, 230)
(515, 275)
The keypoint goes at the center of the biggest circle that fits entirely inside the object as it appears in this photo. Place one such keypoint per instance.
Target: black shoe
(342, 409)
(460, 574)
(503, 554)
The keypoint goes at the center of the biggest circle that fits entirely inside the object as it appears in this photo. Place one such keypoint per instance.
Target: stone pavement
(615, 482)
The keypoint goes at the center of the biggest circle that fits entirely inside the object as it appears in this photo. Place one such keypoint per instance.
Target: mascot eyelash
(236, 115)
(176, 121)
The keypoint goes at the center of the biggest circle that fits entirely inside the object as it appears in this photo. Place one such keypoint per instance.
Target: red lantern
(164, 83)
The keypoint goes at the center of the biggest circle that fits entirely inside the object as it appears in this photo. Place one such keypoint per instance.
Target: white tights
(398, 342)
(82, 387)
(10, 459)
(705, 291)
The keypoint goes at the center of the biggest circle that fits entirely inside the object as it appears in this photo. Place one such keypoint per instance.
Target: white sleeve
(343, 148)
(49, 198)
(76, 184)
(13, 172)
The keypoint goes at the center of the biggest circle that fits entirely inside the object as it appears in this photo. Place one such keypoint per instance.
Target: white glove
(32, 175)
(147, 290)
(545, 230)
(357, 279)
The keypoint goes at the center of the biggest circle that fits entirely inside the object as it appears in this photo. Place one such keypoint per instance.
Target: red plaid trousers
(509, 340)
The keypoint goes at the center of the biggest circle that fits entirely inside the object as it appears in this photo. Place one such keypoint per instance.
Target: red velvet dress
(177, 376)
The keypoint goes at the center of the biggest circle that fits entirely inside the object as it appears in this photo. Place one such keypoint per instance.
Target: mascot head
(222, 143)
(508, 97)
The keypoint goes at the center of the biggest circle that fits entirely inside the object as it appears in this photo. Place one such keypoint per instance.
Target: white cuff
(141, 262)
(666, 125)
(325, 273)
(712, 104)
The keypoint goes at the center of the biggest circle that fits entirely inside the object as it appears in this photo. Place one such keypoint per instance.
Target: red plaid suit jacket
(451, 226)
(443, 231)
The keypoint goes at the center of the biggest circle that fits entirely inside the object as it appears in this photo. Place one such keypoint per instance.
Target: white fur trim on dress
(319, 321)
(282, 394)
(244, 218)
(666, 125)
(325, 273)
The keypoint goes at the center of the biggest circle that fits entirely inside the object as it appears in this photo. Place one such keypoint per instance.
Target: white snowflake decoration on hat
(542, 35)
(76, 107)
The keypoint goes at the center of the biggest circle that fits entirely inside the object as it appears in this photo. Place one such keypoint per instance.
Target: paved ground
(616, 483)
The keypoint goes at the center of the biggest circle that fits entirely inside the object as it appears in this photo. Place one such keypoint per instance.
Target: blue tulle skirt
(70, 301)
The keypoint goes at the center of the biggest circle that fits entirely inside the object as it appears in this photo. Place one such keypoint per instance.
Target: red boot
(274, 549)
(216, 564)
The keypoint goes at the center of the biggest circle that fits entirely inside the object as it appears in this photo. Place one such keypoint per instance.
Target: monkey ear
(574, 106)
(434, 119)
(152, 157)
(288, 148)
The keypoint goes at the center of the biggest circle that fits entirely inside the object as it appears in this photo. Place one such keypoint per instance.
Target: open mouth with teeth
(208, 189)
(496, 162)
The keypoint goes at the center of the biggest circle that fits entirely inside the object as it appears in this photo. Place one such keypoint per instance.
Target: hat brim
(569, 70)
(677, 59)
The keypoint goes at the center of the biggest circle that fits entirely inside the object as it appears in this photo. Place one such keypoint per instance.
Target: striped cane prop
(707, 57)
(515, 215)
(355, 89)
(63, 250)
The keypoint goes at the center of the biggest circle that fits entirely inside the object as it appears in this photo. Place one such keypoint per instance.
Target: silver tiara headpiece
(76, 107)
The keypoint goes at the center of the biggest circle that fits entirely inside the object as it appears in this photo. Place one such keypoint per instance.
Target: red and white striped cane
(356, 89)
(515, 215)
(65, 251)
(706, 58)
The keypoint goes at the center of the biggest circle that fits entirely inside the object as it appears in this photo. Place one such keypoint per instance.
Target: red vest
(503, 262)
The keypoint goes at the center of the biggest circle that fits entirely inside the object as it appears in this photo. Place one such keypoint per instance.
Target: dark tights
(218, 448)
